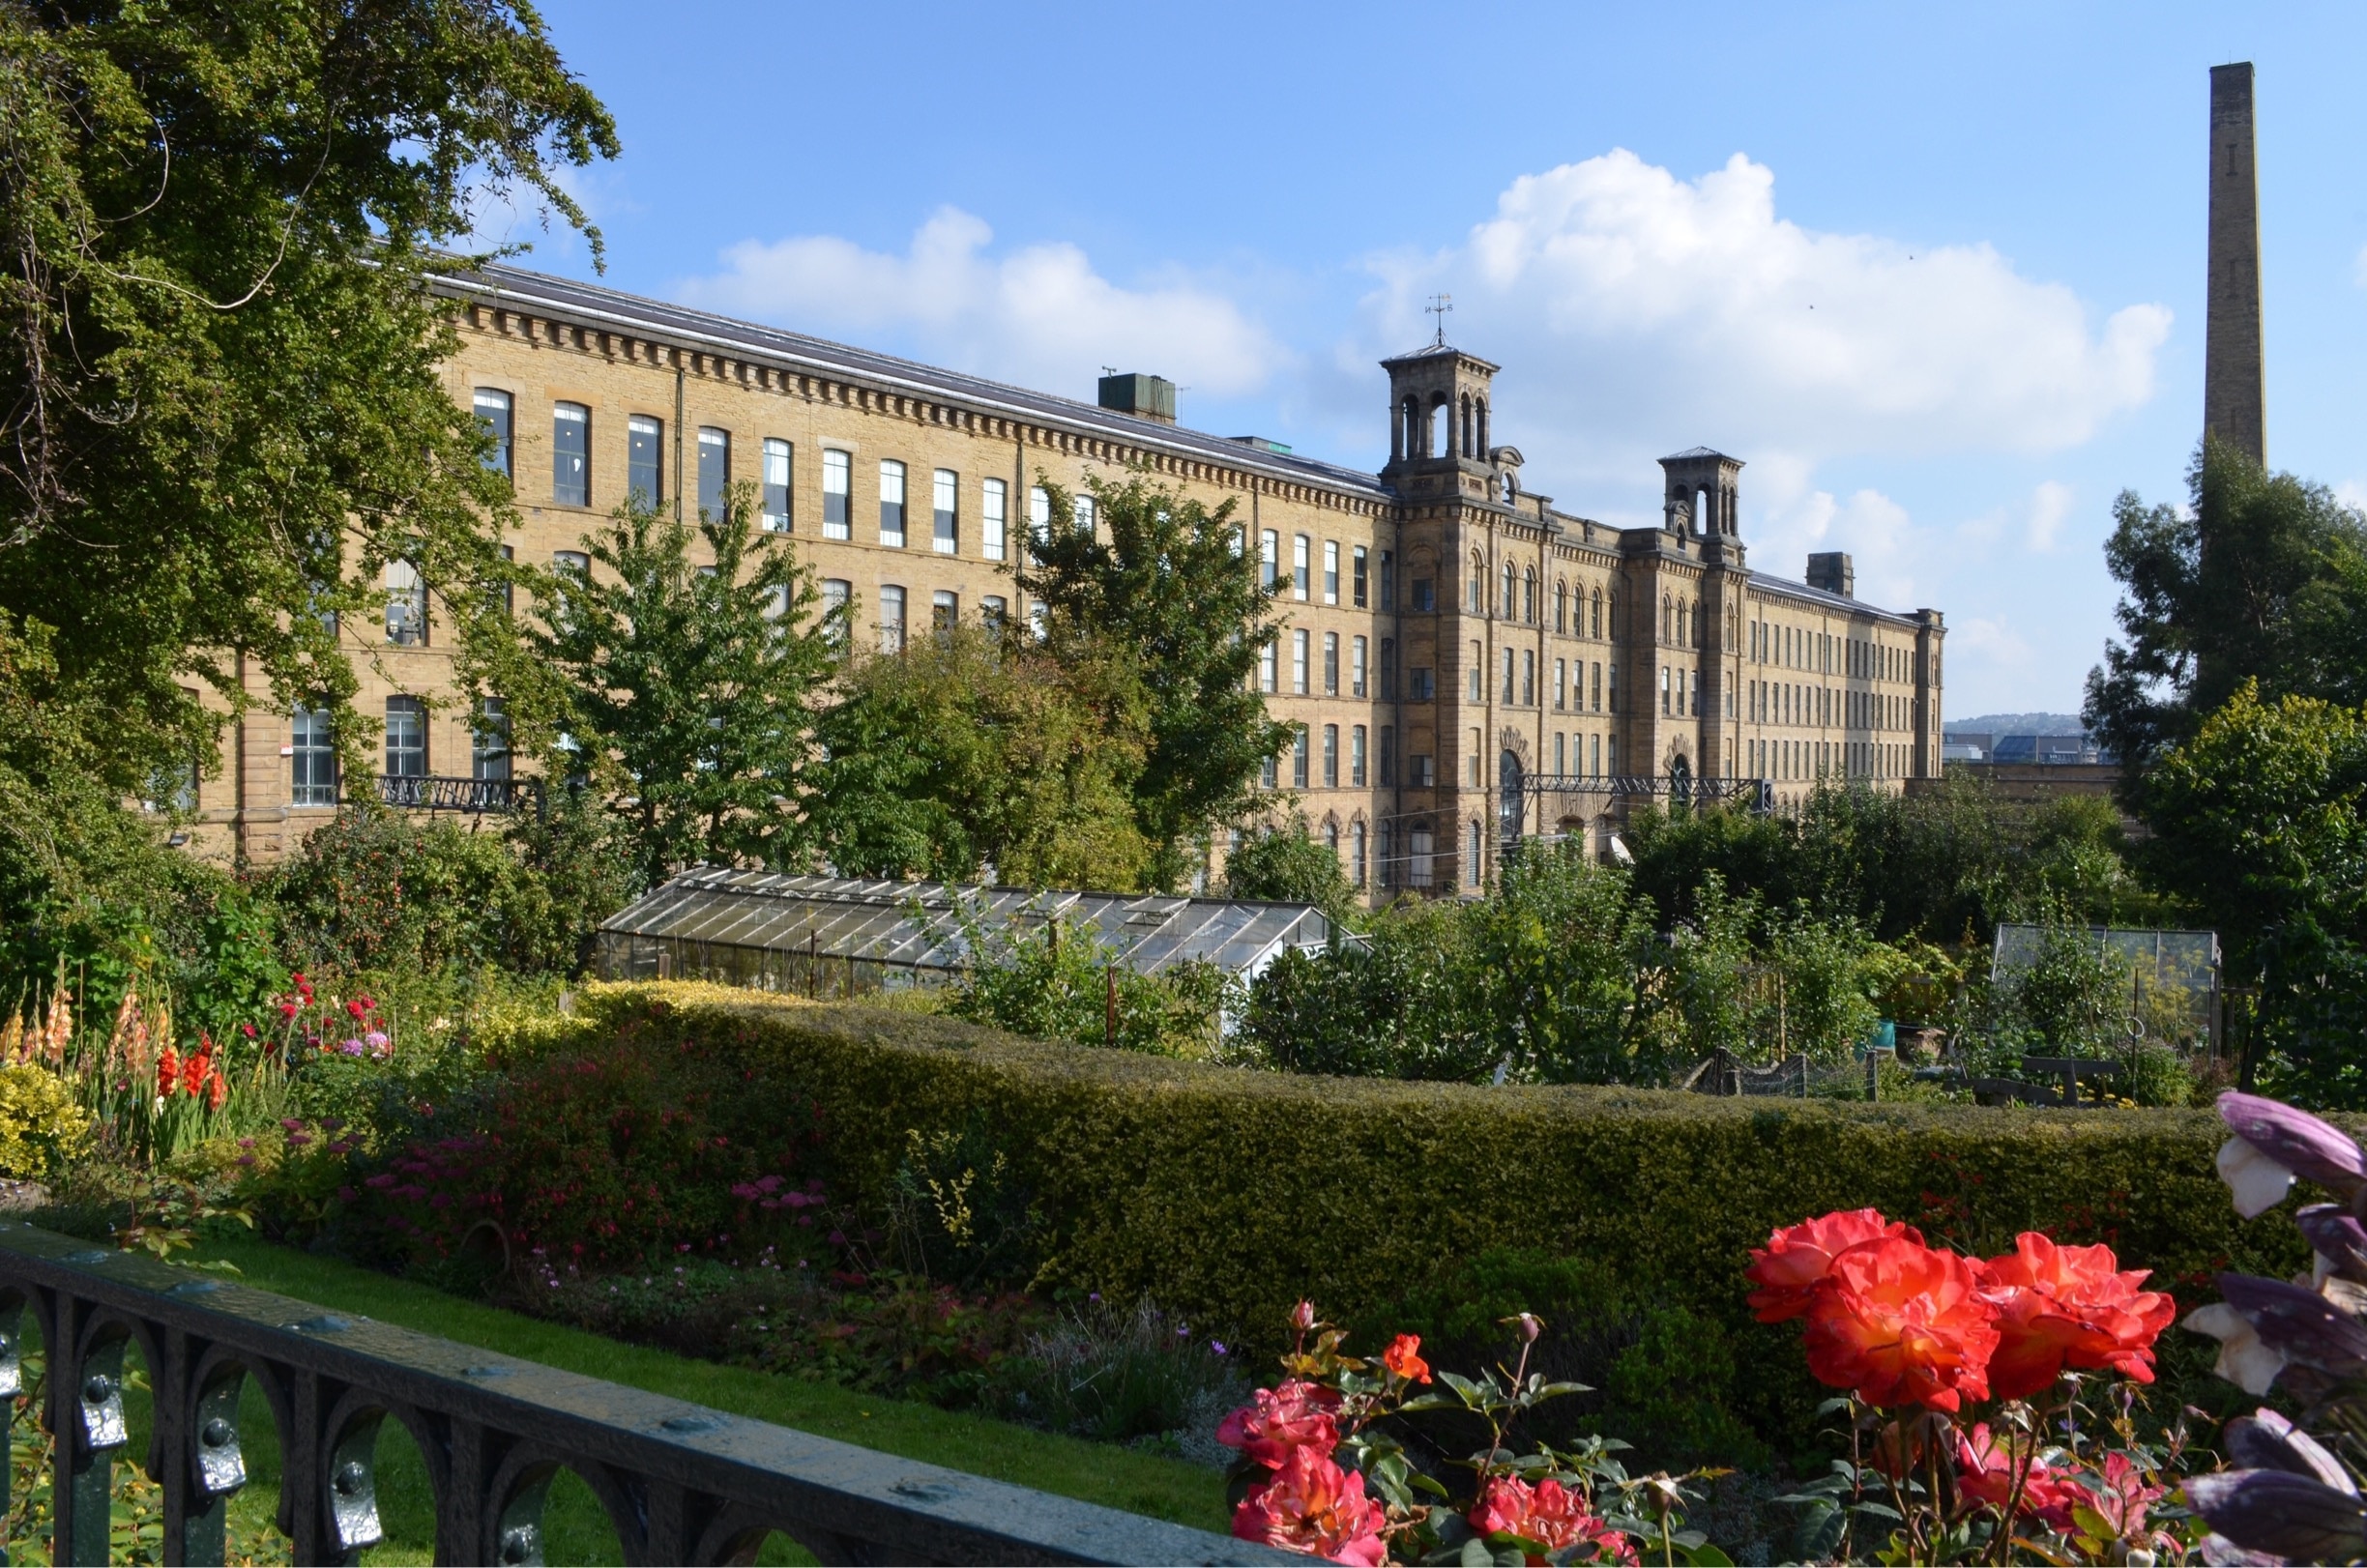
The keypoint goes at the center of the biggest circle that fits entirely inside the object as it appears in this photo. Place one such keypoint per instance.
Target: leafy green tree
(1166, 584)
(223, 411)
(975, 750)
(1553, 957)
(685, 690)
(2263, 579)
(2260, 820)
(1282, 861)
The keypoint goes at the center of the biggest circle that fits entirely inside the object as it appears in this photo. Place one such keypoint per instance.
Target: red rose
(1548, 1515)
(1403, 1360)
(2072, 1307)
(1796, 1259)
(1901, 1324)
(1312, 1505)
(1296, 1415)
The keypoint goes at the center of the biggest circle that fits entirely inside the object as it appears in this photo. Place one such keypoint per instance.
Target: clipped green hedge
(1230, 1194)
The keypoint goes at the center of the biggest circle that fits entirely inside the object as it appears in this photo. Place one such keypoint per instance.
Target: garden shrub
(1228, 1195)
(41, 1126)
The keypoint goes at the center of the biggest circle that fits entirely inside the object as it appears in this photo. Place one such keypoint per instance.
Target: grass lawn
(575, 1529)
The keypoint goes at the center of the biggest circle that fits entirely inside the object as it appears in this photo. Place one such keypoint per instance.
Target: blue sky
(1934, 273)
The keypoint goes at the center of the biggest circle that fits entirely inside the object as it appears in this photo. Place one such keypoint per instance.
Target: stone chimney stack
(1831, 571)
(2233, 402)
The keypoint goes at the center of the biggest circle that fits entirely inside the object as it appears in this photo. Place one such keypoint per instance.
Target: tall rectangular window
(1528, 678)
(1299, 663)
(1330, 757)
(1330, 665)
(836, 594)
(1331, 571)
(945, 611)
(570, 454)
(1359, 866)
(406, 738)
(1470, 864)
(1039, 515)
(1421, 684)
(1357, 577)
(1389, 755)
(1299, 758)
(1422, 766)
(1083, 510)
(837, 500)
(1271, 776)
(645, 460)
(1356, 756)
(1270, 558)
(406, 605)
(1419, 857)
(1425, 596)
(1356, 667)
(891, 503)
(1560, 751)
(1560, 685)
(945, 511)
(994, 613)
(993, 520)
(1594, 755)
(1302, 566)
(313, 754)
(892, 619)
(1268, 656)
(779, 468)
(1598, 688)
(493, 418)
(713, 471)
(489, 741)
(1472, 762)
(1507, 678)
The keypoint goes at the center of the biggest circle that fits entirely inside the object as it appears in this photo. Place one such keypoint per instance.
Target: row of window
(313, 760)
(1577, 612)
(1301, 583)
(1785, 702)
(645, 480)
(1796, 648)
(1786, 761)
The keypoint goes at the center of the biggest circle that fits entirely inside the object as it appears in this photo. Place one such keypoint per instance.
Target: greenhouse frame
(846, 935)
(2174, 976)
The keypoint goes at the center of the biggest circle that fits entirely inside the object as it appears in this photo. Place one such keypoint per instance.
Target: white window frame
(837, 484)
(945, 511)
(892, 493)
(994, 519)
(780, 470)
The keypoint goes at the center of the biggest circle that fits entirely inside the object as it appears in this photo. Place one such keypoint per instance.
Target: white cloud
(1039, 315)
(1639, 312)
(2049, 506)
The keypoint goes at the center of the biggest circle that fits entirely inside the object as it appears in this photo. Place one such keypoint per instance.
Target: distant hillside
(2018, 724)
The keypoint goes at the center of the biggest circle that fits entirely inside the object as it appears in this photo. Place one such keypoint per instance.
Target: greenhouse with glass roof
(845, 936)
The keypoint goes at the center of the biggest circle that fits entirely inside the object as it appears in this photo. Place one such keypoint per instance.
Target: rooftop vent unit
(1146, 397)
(1261, 443)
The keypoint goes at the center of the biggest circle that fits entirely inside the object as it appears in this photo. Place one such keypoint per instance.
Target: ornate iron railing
(681, 1483)
(476, 796)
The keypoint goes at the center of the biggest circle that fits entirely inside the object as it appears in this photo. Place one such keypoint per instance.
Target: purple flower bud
(2291, 1516)
(2338, 1238)
(2303, 1325)
(2297, 1140)
(2265, 1440)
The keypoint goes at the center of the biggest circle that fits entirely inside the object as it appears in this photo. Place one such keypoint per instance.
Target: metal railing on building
(477, 796)
(681, 1483)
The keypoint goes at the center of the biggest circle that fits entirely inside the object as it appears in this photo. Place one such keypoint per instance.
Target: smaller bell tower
(1439, 418)
(1704, 491)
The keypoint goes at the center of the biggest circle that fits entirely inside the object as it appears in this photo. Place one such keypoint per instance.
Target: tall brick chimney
(2233, 401)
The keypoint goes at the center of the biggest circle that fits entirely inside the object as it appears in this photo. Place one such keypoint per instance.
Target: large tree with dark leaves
(1165, 584)
(2263, 578)
(221, 411)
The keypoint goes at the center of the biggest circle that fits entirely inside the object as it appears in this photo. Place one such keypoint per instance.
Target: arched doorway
(1681, 782)
(1510, 806)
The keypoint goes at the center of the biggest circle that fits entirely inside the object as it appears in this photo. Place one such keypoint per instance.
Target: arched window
(1477, 596)
(1561, 606)
(1529, 596)
(1409, 430)
(1467, 448)
(1470, 870)
(1511, 602)
(1482, 449)
(1668, 619)
(1598, 613)
(1435, 432)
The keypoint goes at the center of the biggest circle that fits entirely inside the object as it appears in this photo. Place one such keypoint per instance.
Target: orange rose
(1403, 1360)
(2068, 1307)
(1796, 1259)
(1901, 1324)
(1313, 1506)
(1547, 1514)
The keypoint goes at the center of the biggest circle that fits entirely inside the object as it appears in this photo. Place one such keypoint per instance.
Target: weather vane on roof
(1439, 306)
